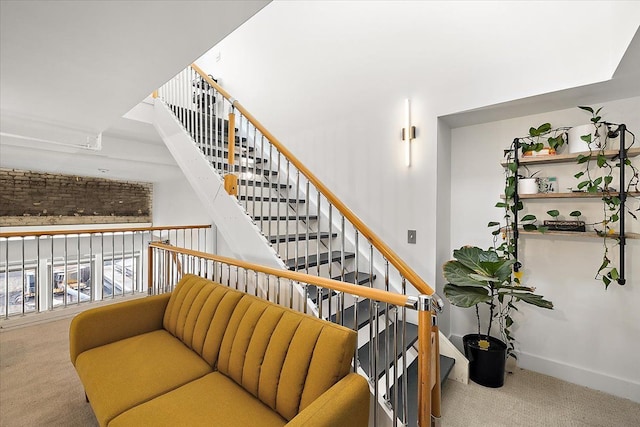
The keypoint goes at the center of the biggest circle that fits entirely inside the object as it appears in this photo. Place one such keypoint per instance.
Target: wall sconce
(408, 133)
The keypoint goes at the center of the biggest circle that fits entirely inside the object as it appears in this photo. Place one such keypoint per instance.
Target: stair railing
(200, 103)
(221, 126)
(276, 285)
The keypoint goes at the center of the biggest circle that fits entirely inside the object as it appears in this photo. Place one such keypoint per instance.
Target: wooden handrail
(403, 268)
(323, 282)
(97, 230)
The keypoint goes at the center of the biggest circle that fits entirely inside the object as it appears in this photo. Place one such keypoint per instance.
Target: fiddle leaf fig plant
(478, 276)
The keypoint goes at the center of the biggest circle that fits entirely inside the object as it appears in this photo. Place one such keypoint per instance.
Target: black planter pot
(486, 366)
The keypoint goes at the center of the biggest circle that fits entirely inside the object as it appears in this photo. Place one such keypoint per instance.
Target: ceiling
(69, 70)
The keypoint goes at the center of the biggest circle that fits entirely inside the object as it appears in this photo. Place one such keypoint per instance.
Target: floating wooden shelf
(587, 234)
(572, 157)
(576, 195)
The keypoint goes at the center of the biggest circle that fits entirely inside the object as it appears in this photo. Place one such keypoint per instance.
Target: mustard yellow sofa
(207, 355)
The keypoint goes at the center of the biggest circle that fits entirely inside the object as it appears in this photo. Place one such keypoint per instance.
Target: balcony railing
(45, 270)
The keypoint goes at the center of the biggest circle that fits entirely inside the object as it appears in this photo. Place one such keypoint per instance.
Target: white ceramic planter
(528, 186)
(577, 145)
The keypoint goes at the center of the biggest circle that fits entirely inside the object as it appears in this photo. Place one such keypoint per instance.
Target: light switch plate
(411, 236)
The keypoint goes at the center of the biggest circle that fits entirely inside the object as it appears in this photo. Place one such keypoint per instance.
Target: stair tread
(385, 339)
(313, 290)
(446, 365)
(350, 277)
(254, 183)
(242, 154)
(348, 317)
(300, 263)
(243, 168)
(313, 293)
(301, 237)
(270, 199)
(284, 218)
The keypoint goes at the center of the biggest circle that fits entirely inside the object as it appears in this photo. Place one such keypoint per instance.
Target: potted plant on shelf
(534, 143)
(476, 277)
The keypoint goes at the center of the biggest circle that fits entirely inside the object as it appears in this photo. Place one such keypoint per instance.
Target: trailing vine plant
(597, 177)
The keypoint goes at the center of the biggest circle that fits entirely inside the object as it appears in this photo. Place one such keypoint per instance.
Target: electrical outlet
(411, 236)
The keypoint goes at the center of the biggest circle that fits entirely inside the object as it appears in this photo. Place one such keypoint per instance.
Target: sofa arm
(344, 404)
(111, 323)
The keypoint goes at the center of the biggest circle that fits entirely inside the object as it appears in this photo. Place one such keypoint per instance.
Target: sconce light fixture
(408, 133)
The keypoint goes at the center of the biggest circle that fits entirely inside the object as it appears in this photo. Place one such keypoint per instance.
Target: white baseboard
(601, 381)
(616, 386)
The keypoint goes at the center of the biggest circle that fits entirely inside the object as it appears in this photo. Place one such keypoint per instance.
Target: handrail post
(230, 179)
(437, 387)
(424, 360)
(150, 269)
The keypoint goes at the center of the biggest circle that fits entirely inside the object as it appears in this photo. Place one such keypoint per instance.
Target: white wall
(329, 80)
(175, 203)
(590, 336)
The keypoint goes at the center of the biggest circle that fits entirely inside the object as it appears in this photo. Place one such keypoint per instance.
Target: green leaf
(582, 158)
(583, 184)
(554, 213)
(543, 229)
(528, 218)
(546, 127)
(607, 180)
(604, 265)
(578, 175)
(589, 109)
(529, 227)
(606, 281)
(534, 299)
(513, 167)
(602, 160)
(614, 218)
(472, 257)
(596, 119)
(493, 224)
(575, 213)
(508, 321)
(464, 296)
(586, 138)
(597, 181)
(501, 205)
(457, 274)
(614, 274)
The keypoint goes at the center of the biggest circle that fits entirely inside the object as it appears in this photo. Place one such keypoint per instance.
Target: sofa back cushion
(198, 313)
(284, 358)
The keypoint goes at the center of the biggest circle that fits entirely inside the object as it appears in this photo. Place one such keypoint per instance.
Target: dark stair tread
(285, 218)
(301, 237)
(313, 260)
(349, 278)
(208, 151)
(253, 183)
(385, 339)
(348, 317)
(313, 293)
(243, 168)
(313, 290)
(446, 365)
(270, 199)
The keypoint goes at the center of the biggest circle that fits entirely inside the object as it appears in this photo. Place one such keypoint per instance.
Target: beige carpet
(39, 387)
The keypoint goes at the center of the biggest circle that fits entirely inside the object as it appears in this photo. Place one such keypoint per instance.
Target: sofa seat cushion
(213, 400)
(123, 374)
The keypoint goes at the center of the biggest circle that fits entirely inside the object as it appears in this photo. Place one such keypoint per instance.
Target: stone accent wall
(36, 198)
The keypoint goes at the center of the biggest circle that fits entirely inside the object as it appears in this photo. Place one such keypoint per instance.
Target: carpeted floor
(39, 387)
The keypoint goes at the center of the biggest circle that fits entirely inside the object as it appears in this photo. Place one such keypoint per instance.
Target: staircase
(309, 235)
